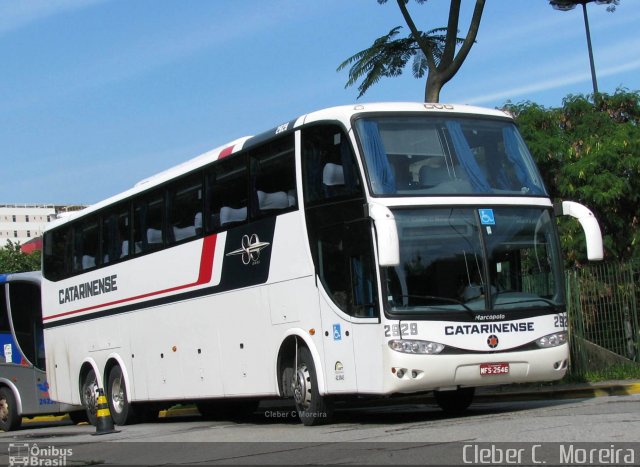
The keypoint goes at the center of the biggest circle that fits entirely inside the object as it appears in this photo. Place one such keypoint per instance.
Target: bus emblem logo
(492, 341)
(250, 250)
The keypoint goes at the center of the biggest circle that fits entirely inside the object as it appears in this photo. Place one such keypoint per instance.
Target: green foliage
(617, 372)
(388, 56)
(13, 260)
(590, 153)
(565, 5)
(435, 53)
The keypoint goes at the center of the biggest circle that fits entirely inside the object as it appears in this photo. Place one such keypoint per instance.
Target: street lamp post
(593, 67)
(566, 5)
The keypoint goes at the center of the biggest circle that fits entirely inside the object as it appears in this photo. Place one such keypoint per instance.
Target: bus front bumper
(408, 373)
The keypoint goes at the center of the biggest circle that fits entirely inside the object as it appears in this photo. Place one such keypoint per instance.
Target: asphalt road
(408, 433)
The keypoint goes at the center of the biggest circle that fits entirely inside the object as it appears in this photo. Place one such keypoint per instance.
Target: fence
(603, 301)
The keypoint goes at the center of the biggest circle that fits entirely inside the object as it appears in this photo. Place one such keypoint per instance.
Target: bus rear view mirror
(386, 235)
(589, 224)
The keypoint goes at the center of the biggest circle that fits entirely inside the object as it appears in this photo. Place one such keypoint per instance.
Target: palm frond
(420, 65)
(386, 57)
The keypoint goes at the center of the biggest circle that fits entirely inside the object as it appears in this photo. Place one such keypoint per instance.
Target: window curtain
(467, 159)
(380, 172)
(513, 154)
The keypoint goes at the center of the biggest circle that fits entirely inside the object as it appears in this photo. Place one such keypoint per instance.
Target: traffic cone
(104, 422)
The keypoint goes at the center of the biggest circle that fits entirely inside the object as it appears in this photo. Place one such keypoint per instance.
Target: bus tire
(313, 409)
(122, 411)
(454, 402)
(89, 396)
(9, 418)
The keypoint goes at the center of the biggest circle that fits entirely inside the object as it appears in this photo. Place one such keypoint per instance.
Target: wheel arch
(87, 365)
(286, 354)
(114, 360)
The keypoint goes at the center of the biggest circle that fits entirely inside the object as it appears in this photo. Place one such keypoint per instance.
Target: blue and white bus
(24, 390)
(364, 250)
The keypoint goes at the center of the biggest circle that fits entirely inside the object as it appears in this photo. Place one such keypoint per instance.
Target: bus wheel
(89, 396)
(9, 418)
(313, 409)
(122, 412)
(454, 402)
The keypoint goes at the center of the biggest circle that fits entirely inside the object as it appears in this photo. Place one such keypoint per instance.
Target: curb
(577, 391)
(178, 412)
(488, 394)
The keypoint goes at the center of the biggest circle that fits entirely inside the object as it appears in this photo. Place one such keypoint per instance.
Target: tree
(12, 259)
(590, 153)
(566, 5)
(434, 52)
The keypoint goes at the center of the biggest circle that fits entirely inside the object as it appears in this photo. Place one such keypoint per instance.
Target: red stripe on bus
(204, 277)
(225, 152)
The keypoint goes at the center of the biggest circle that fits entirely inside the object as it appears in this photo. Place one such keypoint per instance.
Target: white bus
(24, 390)
(364, 250)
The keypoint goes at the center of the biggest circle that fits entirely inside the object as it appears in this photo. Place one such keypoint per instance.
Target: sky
(96, 95)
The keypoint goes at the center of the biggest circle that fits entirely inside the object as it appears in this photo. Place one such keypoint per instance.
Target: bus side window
(86, 251)
(185, 208)
(346, 267)
(115, 234)
(58, 254)
(227, 183)
(27, 320)
(273, 178)
(329, 167)
(148, 216)
(5, 330)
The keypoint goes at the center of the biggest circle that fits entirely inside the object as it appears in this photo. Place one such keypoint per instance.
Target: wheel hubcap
(302, 387)
(90, 394)
(117, 395)
(4, 410)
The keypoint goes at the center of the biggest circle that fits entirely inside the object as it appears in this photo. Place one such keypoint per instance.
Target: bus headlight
(552, 340)
(415, 346)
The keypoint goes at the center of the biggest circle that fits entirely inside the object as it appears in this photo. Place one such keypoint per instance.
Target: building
(22, 223)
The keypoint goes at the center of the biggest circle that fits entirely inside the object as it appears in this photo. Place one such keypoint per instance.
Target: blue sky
(96, 95)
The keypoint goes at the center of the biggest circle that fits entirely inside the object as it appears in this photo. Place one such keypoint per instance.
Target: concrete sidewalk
(559, 391)
(520, 392)
(514, 392)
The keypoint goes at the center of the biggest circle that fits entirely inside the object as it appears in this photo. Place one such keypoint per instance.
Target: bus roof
(347, 111)
(340, 113)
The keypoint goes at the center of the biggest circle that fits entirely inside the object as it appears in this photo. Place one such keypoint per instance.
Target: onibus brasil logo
(28, 454)
(250, 250)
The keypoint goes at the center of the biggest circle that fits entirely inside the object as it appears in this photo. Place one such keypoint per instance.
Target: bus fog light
(552, 340)
(561, 365)
(415, 346)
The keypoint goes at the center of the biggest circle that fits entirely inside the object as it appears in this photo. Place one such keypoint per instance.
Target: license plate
(487, 369)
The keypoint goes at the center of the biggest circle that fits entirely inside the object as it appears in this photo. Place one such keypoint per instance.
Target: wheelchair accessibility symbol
(486, 217)
(337, 333)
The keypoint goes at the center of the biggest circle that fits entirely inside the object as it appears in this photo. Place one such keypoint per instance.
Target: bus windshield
(468, 259)
(434, 155)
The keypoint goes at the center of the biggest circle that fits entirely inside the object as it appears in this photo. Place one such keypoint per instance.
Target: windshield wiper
(528, 300)
(444, 299)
